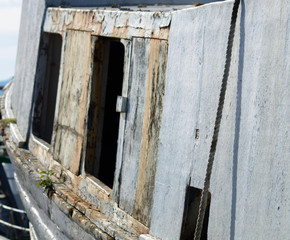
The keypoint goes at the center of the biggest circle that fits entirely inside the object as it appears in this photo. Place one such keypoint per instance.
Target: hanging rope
(204, 196)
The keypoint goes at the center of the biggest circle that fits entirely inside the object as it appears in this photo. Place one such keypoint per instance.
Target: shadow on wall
(238, 121)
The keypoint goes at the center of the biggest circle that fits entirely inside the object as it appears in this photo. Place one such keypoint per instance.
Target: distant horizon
(6, 80)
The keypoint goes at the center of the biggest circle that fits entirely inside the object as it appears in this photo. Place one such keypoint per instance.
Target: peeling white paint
(105, 21)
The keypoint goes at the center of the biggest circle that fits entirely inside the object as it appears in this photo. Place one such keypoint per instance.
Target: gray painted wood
(134, 123)
(26, 62)
(248, 187)
(250, 181)
(155, 85)
(194, 73)
(122, 121)
(141, 136)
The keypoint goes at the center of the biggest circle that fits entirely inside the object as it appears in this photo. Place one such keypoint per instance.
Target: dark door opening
(190, 215)
(103, 123)
(46, 85)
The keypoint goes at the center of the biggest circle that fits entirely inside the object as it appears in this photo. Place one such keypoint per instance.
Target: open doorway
(46, 85)
(103, 120)
(190, 215)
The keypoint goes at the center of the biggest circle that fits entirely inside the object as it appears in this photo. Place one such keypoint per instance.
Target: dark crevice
(46, 86)
(190, 214)
(111, 117)
(103, 122)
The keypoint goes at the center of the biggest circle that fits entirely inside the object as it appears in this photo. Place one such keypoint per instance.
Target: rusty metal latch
(121, 105)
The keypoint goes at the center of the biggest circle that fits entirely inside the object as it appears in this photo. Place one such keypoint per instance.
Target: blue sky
(10, 12)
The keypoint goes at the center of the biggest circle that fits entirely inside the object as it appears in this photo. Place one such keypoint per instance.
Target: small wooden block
(121, 105)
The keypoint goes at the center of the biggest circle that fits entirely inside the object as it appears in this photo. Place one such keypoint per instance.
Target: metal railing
(11, 209)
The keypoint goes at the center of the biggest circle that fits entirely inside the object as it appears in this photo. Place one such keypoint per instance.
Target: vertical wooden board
(70, 115)
(134, 122)
(122, 123)
(151, 128)
(141, 138)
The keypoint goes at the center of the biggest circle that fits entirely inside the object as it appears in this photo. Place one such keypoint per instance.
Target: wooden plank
(70, 116)
(123, 117)
(134, 123)
(155, 85)
(141, 138)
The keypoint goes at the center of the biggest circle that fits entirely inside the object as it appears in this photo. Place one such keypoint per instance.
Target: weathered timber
(118, 24)
(72, 100)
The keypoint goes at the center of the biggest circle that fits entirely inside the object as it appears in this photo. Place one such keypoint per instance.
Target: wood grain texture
(151, 129)
(70, 117)
(141, 138)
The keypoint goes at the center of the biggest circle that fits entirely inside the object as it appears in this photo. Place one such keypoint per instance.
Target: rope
(204, 196)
